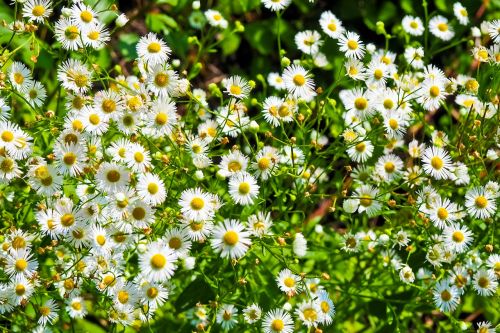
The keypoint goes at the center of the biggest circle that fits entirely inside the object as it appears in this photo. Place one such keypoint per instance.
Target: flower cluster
(132, 190)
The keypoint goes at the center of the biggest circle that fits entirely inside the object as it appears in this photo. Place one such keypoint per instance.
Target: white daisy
(230, 239)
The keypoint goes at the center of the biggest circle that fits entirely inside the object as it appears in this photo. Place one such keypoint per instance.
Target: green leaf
(192, 294)
(230, 44)
(167, 2)
(160, 22)
(126, 45)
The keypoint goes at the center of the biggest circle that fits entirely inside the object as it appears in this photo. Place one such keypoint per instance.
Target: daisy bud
(196, 5)
(220, 175)
(142, 247)
(380, 28)
(287, 306)
(476, 33)
(198, 175)
(370, 48)
(214, 90)
(239, 27)
(300, 245)
(325, 276)
(281, 241)
(254, 126)
(189, 263)
(285, 62)
(176, 63)
(66, 12)
(488, 248)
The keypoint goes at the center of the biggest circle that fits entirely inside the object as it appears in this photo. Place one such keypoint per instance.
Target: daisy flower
(21, 262)
(233, 163)
(434, 93)
(70, 158)
(360, 101)
(367, 200)
(227, 316)
(152, 50)
(44, 179)
(94, 121)
(494, 30)
(436, 162)
(265, 162)
(96, 36)
(389, 167)
(162, 117)
(308, 41)
(330, 24)
(439, 27)
(252, 313)
(243, 188)
(457, 238)
(351, 45)
(276, 81)
(162, 81)
(198, 231)
(68, 34)
(355, 69)
(326, 306)
(48, 312)
(151, 189)
(413, 25)
(20, 76)
(37, 10)
(277, 321)
(137, 158)
(276, 5)
(446, 297)
(195, 205)
(83, 16)
(74, 76)
(414, 57)
(76, 307)
(480, 203)
(485, 327)
(237, 86)
(460, 13)
(112, 177)
(158, 263)
(231, 239)
(298, 81)
(309, 313)
(442, 212)
(288, 282)
(485, 282)
(35, 94)
(215, 19)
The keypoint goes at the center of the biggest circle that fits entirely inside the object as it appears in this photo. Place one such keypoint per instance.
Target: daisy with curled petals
(480, 203)
(74, 76)
(151, 189)
(309, 313)
(277, 321)
(230, 239)
(298, 81)
(195, 205)
(331, 25)
(437, 162)
(351, 45)
(152, 50)
(37, 10)
(355, 69)
(158, 263)
(48, 312)
(44, 179)
(243, 188)
(308, 41)
(252, 313)
(288, 282)
(237, 86)
(439, 27)
(198, 231)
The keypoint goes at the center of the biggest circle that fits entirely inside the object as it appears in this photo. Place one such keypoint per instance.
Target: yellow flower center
(352, 44)
(123, 296)
(20, 289)
(152, 292)
(310, 314)
(483, 282)
(101, 240)
(161, 118)
(234, 166)
(360, 103)
(71, 32)
(86, 16)
(413, 24)
(21, 265)
(197, 203)
(139, 213)
(67, 220)
(7, 136)
(18, 78)
(138, 157)
(38, 11)
(365, 200)
(81, 80)
(437, 162)
(284, 110)
(458, 236)
(434, 91)
(378, 74)
(244, 188)
(158, 261)
(389, 167)
(231, 238)
(393, 123)
(299, 80)
(18, 243)
(442, 213)
(154, 47)
(113, 176)
(76, 306)
(360, 147)
(325, 307)
(44, 311)
(93, 35)
(235, 90)
(481, 202)
(442, 27)
(332, 27)
(289, 282)
(161, 79)
(94, 119)
(7, 165)
(445, 295)
(175, 243)
(277, 325)
(153, 188)
(263, 163)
